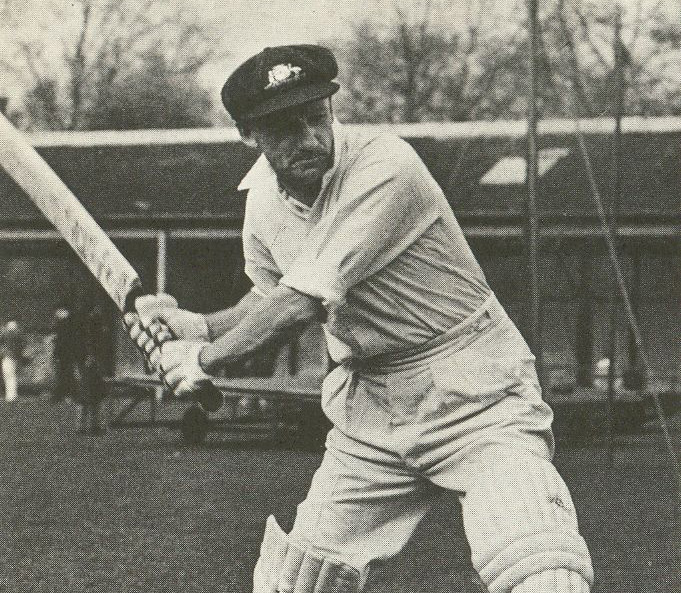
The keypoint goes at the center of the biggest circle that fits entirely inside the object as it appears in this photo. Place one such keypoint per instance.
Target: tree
(152, 95)
(412, 70)
(578, 43)
(110, 47)
(416, 69)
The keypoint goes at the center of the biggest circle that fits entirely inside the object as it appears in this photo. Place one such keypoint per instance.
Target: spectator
(92, 388)
(68, 351)
(11, 348)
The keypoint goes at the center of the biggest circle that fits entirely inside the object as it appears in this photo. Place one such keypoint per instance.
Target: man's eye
(278, 127)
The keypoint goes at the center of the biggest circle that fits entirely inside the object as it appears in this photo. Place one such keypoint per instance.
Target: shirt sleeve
(386, 201)
(260, 266)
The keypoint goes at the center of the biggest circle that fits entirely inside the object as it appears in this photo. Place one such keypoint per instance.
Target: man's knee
(285, 567)
(521, 522)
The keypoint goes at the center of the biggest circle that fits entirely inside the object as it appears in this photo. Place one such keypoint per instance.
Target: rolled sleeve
(385, 204)
(259, 266)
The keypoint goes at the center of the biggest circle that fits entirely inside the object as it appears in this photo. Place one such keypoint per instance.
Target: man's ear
(246, 137)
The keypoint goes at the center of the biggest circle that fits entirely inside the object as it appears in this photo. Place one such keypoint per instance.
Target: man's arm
(184, 325)
(220, 322)
(266, 320)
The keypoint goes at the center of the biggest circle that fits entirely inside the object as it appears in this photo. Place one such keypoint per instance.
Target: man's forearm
(266, 321)
(220, 322)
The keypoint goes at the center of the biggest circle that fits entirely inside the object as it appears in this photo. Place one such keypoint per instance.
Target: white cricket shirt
(380, 246)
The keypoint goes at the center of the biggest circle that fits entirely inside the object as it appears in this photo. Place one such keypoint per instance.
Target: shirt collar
(261, 173)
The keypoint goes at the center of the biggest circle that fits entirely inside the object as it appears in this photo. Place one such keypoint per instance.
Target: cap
(278, 78)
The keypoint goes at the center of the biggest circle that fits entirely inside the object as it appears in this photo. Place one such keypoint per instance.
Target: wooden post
(161, 260)
(161, 277)
(584, 338)
(535, 328)
(614, 209)
(634, 369)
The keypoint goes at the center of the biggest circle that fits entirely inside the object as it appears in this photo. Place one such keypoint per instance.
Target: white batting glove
(146, 338)
(149, 305)
(142, 327)
(158, 320)
(184, 325)
(179, 365)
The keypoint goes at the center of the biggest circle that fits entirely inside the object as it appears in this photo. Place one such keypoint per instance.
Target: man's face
(298, 143)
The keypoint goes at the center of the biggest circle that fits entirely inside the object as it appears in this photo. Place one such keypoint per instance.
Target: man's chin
(307, 176)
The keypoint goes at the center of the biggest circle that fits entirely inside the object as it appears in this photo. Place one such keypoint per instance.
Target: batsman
(434, 387)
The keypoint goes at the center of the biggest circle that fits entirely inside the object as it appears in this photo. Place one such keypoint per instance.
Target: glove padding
(179, 364)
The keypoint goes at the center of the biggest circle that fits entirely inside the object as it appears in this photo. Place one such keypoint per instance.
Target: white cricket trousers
(464, 413)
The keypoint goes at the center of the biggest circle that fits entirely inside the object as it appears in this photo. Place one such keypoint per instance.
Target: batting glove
(158, 320)
(180, 367)
(143, 326)
(183, 324)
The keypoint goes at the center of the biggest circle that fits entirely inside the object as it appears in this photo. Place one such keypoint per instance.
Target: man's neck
(305, 195)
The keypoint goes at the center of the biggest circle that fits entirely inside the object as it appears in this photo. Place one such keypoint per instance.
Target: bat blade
(92, 245)
(61, 207)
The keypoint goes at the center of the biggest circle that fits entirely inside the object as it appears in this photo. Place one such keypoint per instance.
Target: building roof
(161, 177)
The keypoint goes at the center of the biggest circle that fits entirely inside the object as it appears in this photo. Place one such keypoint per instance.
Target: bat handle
(209, 396)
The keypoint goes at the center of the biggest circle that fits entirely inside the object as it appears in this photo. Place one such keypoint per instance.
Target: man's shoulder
(372, 149)
(374, 140)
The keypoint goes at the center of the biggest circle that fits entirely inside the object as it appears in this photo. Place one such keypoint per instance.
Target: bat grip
(206, 394)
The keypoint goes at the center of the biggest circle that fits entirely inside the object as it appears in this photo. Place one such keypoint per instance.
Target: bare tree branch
(114, 42)
(587, 36)
(573, 60)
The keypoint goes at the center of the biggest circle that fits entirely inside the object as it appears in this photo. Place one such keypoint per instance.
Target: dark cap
(278, 78)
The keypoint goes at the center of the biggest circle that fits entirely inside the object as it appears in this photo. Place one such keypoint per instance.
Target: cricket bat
(92, 245)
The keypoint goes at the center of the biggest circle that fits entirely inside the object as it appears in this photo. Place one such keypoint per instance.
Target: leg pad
(544, 552)
(286, 567)
(520, 521)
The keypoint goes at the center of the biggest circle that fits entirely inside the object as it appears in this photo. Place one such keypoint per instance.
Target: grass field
(133, 510)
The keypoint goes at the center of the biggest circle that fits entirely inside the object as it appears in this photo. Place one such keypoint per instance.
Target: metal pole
(614, 209)
(534, 334)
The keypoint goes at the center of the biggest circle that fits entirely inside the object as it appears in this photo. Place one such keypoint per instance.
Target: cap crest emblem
(283, 74)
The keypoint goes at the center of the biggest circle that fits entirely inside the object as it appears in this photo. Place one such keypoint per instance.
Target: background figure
(11, 348)
(68, 350)
(92, 388)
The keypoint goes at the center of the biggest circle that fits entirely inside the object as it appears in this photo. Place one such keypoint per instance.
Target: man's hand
(179, 365)
(184, 325)
(155, 311)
